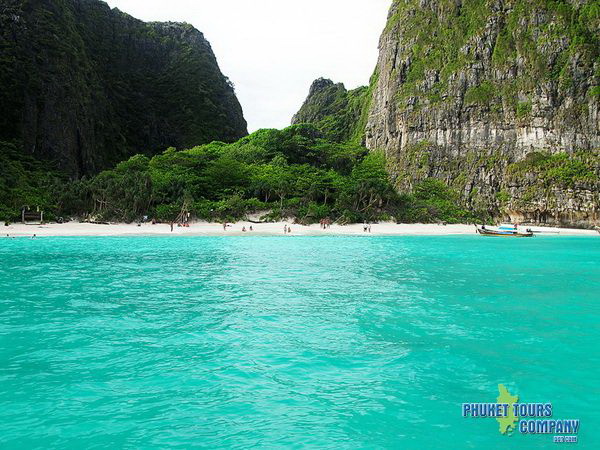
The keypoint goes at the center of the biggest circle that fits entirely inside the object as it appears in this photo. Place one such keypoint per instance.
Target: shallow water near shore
(329, 342)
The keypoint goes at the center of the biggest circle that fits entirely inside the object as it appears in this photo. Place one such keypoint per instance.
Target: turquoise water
(329, 342)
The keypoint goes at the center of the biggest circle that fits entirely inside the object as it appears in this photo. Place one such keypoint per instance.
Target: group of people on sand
(367, 227)
(325, 223)
(287, 229)
(244, 229)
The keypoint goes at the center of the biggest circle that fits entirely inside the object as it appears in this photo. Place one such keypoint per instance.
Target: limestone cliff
(86, 86)
(487, 95)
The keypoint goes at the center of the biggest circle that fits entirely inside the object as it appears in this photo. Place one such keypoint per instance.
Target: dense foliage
(294, 172)
(25, 181)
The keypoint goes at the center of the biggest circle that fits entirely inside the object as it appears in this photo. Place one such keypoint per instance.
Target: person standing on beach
(171, 226)
(285, 229)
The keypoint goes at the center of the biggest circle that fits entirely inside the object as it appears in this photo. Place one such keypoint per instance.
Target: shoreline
(80, 229)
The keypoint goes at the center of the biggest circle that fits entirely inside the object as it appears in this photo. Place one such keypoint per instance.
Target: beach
(258, 229)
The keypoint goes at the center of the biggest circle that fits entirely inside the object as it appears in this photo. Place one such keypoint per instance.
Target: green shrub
(560, 168)
(434, 201)
(523, 109)
(482, 94)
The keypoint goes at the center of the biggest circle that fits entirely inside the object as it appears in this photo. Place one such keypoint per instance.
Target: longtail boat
(504, 233)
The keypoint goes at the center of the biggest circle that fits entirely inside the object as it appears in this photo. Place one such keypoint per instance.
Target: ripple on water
(326, 342)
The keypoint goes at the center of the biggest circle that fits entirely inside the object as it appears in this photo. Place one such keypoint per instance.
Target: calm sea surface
(336, 342)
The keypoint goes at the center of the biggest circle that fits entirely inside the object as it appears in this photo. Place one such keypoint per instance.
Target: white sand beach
(258, 229)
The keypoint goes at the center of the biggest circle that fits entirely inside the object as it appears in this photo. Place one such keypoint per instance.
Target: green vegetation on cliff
(558, 169)
(484, 83)
(341, 115)
(539, 39)
(85, 86)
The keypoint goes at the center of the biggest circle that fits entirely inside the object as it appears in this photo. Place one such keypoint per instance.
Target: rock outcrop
(339, 114)
(86, 86)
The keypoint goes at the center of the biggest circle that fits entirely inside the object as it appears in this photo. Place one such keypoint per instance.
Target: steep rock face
(87, 86)
(482, 93)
